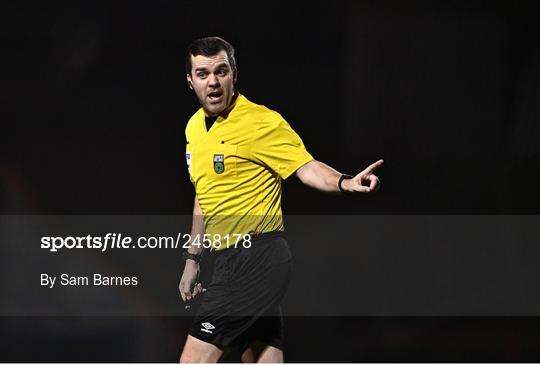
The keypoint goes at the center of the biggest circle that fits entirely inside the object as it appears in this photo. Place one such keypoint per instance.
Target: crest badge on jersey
(219, 164)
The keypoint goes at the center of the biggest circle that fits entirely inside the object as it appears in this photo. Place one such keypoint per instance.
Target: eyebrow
(204, 68)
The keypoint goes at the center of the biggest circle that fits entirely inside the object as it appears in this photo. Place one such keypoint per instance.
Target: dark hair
(209, 46)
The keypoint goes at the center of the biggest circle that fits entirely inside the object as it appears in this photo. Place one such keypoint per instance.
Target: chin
(214, 109)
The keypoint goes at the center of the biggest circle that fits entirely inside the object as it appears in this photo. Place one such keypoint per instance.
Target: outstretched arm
(324, 178)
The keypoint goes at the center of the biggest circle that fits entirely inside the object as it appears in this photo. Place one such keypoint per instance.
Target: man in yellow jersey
(237, 154)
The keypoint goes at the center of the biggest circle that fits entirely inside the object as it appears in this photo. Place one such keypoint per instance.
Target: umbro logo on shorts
(207, 326)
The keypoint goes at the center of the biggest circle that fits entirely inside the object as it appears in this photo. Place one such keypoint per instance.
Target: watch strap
(341, 178)
(192, 256)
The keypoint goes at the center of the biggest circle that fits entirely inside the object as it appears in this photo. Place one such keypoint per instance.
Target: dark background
(94, 105)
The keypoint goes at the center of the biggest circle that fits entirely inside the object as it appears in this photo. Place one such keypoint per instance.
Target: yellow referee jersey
(237, 167)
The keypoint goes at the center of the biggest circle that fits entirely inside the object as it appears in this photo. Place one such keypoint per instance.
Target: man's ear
(235, 76)
(190, 83)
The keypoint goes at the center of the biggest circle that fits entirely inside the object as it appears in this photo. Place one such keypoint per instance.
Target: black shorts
(242, 303)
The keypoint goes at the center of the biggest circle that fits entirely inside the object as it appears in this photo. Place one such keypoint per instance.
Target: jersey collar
(224, 114)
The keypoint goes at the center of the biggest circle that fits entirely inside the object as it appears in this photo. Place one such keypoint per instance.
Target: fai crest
(219, 164)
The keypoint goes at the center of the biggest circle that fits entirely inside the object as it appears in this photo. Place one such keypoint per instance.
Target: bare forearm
(320, 176)
(197, 228)
(188, 286)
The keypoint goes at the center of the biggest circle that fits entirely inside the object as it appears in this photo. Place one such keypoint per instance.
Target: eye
(223, 72)
(201, 75)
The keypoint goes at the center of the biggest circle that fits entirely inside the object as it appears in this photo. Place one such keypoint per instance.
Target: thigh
(197, 351)
(266, 330)
(262, 353)
(270, 354)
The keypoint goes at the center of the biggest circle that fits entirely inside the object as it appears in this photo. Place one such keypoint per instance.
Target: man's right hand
(188, 286)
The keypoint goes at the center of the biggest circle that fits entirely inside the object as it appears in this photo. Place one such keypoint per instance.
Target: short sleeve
(188, 161)
(276, 145)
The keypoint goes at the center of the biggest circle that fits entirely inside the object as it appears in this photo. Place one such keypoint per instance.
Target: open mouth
(215, 96)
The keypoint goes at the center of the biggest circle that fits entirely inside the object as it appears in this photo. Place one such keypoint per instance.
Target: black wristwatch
(341, 178)
(192, 256)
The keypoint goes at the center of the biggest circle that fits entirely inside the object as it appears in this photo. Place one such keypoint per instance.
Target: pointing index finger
(374, 166)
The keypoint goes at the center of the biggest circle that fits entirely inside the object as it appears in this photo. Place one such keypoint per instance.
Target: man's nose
(213, 80)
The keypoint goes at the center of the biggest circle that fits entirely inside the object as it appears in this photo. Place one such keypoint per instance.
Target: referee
(237, 153)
